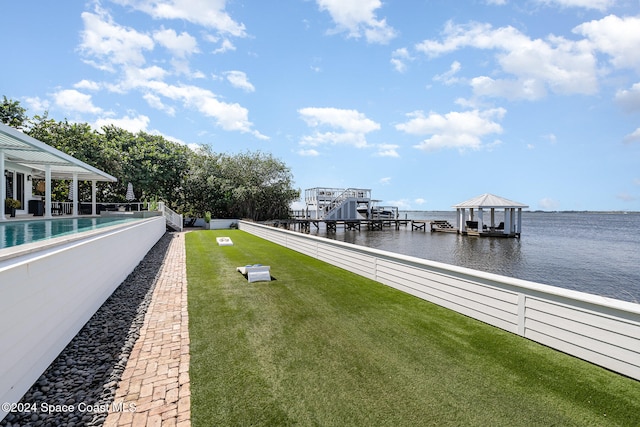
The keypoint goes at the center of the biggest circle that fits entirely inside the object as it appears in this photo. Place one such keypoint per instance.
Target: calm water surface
(598, 253)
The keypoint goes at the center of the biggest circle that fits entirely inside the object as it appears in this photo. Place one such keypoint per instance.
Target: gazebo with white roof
(476, 224)
(24, 158)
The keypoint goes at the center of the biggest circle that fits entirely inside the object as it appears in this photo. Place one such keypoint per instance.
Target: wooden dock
(304, 225)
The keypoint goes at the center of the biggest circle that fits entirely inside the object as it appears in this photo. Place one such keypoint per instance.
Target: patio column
(47, 191)
(480, 219)
(3, 187)
(93, 197)
(519, 226)
(74, 209)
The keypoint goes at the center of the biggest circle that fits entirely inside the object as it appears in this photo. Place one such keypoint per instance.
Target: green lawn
(322, 346)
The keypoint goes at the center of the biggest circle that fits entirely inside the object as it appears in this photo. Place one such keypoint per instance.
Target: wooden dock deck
(304, 225)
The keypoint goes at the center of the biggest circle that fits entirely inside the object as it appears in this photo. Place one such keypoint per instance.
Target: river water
(598, 253)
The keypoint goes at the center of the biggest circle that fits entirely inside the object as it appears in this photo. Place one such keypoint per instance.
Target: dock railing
(174, 219)
(601, 330)
(326, 200)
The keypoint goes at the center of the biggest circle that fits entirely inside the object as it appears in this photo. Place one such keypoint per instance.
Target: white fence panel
(302, 245)
(350, 260)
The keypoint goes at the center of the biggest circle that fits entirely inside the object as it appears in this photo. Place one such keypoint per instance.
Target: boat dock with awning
(471, 218)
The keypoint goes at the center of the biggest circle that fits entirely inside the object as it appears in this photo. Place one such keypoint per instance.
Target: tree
(250, 185)
(260, 186)
(155, 166)
(12, 114)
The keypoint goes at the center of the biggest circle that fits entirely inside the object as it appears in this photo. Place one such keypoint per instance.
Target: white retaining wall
(47, 295)
(219, 224)
(601, 330)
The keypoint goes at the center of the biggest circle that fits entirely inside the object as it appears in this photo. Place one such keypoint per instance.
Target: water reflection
(588, 252)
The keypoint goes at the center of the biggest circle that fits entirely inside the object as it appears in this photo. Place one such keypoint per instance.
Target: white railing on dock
(323, 202)
(174, 220)
(601, 330)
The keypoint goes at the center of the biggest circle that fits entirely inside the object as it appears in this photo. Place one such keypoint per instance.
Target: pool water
(16, 233)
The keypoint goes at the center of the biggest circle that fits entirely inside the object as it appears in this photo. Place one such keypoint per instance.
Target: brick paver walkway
(154, 389)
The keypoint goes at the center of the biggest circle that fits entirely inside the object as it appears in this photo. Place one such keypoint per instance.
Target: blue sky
(426, 103)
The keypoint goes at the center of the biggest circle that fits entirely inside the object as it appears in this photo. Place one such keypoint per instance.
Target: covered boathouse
(471, 218)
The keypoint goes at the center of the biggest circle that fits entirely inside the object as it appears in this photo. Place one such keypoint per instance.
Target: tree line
(253, 185)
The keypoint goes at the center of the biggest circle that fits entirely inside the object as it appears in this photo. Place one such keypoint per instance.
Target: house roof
(21, 149)
(489, 201)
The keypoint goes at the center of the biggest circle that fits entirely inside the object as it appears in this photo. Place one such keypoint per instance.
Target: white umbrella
(130, 196)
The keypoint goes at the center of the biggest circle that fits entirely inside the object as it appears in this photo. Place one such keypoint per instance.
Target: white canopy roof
(489, 201)
(28, 152)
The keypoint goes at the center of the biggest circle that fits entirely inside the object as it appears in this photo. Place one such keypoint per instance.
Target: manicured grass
(322, 346)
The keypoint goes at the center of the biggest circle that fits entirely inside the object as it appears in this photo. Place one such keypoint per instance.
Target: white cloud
(552, 138)
(135, 78)
(71, 100)
(402, 204)
(229, 116)
(155, 101)
(358, 18)
(617, 37)
(112, 44)
(632, 137)
(225, 46)
(112, 47)
(461, 130)
(449, 77)
(348, 120)
(530, 89)
(208, 13)
(387, 150)
(399, 59)
(132, 124)
(420, 201)
(549, 204)
(239, 79)
(629, 99)
(181, 45)
(87, 85)
(309, 153)
(348, 127)
(600, 5)
(556, 64)
(37, 104)
(385, 181)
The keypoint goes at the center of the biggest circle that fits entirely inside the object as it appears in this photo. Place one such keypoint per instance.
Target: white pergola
(39, 160)
(512, 224)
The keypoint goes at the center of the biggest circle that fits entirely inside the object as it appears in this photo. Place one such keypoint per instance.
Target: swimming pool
(15, 233)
